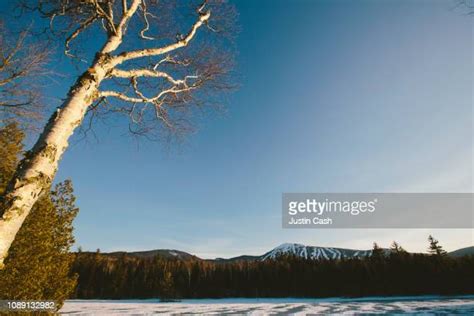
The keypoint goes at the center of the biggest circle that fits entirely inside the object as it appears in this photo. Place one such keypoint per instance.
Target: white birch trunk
(38, 168)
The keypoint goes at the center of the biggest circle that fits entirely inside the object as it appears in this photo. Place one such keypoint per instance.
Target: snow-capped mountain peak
(314, 253)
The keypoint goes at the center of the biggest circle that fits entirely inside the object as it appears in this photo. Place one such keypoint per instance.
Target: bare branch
(141, 97)
(203, 17)
(13, 52)
(122, 96)
(76, 33)
(127, 15)
(22, 64)
(134, 73)
(107, 16)
(147, 23)
(114, 42)
(124, 6)
(183, 74)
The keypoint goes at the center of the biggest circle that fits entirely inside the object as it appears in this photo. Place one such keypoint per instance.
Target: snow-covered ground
(424, 305)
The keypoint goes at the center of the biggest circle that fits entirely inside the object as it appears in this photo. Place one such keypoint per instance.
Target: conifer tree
(39, 260)
(166, 285)
(377, 252)
(435, 248)
(396, 248)
(11, 138)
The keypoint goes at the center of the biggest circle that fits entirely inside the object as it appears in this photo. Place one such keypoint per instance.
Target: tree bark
(38, 168)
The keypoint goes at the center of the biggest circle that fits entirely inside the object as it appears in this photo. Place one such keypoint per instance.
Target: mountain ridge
(314, 252)
(296, 249)
(462, 252)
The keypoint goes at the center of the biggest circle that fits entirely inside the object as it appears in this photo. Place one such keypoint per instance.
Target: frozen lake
(423, 305)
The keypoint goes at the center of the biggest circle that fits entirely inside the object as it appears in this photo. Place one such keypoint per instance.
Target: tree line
(392, 272)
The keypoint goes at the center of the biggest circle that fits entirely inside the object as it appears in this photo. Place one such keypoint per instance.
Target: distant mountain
(315, 253)
(303, 251)
(462, 252)
(165, 253)
(239, 258)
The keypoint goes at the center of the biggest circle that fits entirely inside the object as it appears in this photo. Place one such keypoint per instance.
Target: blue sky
(335, 96)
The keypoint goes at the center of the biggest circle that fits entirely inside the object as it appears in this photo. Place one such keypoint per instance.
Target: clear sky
(335, 96)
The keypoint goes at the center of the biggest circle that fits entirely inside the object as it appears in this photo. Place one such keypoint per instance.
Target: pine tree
(435, 248)
(11, 146)
(39, 262)
(166, 285)
(396, 248)
(377, 252)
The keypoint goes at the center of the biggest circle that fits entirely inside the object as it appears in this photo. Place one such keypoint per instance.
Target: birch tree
(157, 60)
